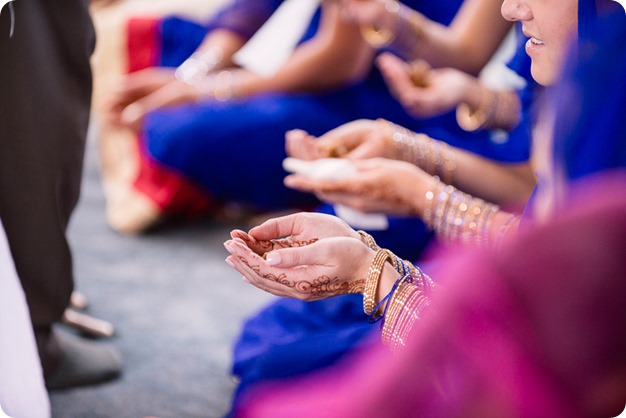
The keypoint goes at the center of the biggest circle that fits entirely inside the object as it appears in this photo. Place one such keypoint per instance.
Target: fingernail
(228, 246)
(245, 279)
(273, 258)
(229, 262)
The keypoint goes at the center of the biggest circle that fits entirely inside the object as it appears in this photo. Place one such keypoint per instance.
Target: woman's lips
(533, 44)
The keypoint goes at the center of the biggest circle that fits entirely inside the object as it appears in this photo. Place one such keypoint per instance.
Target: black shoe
(83, 363)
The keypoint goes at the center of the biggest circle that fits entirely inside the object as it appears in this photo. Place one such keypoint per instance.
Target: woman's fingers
(258, 246)
(299, 144)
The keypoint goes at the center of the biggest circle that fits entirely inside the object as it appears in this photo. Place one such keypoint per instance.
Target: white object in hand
(337, 169)
(321, 169)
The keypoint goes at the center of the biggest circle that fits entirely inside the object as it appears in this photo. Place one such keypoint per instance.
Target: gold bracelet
(368, 240)
(378, 37)
(471, 121)
(395, 303)
(373, 277)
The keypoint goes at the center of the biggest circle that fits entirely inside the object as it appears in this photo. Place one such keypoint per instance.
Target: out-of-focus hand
(381, 186)
(174, 93)
(296, 230)
(442, 91)
(134, 86)
(358, 139)
(325, 268)
(299, 144)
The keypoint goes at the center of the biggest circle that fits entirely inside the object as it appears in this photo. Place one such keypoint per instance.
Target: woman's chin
(542, 76)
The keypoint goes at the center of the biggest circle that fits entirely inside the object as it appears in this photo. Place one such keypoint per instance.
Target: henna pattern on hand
(281, 278)
(289, 242)
(324, 285)
(256, 269)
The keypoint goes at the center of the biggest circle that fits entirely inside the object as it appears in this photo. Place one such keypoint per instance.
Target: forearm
(465, 44)
(502, 183)
(336, 56)
(494, 181)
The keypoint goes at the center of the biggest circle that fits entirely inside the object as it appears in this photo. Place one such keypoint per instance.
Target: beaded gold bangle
(457, 217)
(373, 277)
(434, 157)
(368, 240)
(396, 303)
(411, 312)
(429, 199)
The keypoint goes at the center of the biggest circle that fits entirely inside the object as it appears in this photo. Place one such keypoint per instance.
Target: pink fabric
(537, 331)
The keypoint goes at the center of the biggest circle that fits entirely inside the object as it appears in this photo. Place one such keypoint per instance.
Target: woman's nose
(516, 10)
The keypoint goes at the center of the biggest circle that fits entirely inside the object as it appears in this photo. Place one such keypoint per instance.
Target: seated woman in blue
(220, 118)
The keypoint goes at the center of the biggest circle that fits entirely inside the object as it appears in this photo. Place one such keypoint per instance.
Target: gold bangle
(471, 121)
(373, 277)
(378, 37)
(368, 240)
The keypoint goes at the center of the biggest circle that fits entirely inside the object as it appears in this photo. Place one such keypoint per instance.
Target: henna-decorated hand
(381, 186)
(294, 230)
(325, 268)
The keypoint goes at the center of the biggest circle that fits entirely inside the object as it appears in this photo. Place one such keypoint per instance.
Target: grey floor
(177, 308)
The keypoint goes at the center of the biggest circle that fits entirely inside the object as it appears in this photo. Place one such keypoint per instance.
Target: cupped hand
(325, 268)
(355, 140)
(443, 88)
(381, 186)
(296, 230)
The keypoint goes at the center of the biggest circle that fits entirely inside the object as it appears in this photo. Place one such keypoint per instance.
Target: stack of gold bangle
(457, 217)
(406, 301)
(434, 157)
(405, 308)
(373, 278)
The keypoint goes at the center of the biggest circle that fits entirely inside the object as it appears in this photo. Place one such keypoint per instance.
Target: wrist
(199, 64)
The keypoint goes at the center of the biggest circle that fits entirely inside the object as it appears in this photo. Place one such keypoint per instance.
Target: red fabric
(173, 193)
